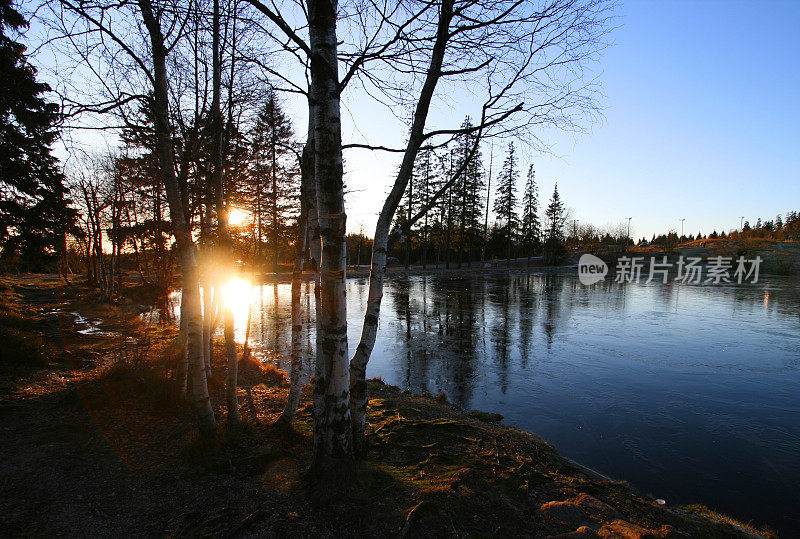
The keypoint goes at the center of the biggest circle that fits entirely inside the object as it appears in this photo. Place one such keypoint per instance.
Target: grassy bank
(104, 448)
(23, 347)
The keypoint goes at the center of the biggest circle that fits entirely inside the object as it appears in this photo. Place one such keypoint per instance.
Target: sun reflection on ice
(239, 295)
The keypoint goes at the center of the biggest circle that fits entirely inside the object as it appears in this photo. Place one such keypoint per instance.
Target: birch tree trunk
(225, 242)
(295, 387)
(180, 227)
(183, 360)
(210, 288)
(332, 426)
(358, 363)
(210, 294)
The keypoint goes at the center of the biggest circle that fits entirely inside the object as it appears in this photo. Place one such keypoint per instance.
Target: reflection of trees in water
(775, 295)
(442, 324)
(436, 322)
(772, 295)
(165, 310)
(415, 367)
(550, 292)
(462, 363)
(528, 306)
(500, 295)
(446, 332)
(273, 322)
(611, 295)
(310, 321)
(669, 294)
(273, 325)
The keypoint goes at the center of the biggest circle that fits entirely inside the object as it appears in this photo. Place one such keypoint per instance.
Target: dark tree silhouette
(505, 204)
(35, 211)
(555, 214)
(531, 225)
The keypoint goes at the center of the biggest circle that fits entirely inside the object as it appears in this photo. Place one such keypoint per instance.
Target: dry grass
(24, 348)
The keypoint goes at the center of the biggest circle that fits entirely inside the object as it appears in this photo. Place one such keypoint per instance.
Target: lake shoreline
(778, 259)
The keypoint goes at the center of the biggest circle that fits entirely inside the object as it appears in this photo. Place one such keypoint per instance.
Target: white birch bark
(209, 298)
(225, 243)
(358, 363)
(332, 426)
(295, 387)
(181, 231)
(182, 370)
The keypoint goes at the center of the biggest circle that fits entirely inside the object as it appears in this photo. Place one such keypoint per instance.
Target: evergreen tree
(554, 221)
(468, 192)
(272, 187)
(505, 203)
(531, 226)
(426, 182)
(404, 222)
(791, 226)
(35, 211)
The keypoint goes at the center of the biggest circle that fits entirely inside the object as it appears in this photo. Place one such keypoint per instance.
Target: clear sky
(701, 121)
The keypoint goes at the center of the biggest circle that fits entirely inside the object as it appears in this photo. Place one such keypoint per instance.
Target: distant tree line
(782, 228)
(456, 230)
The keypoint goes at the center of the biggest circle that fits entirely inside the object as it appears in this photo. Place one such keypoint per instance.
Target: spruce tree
(35, 212)
(505, 203)
(273, 189)
(148, 228)
(468, 191)
(554, 221)
(425, 181)
(531, 226)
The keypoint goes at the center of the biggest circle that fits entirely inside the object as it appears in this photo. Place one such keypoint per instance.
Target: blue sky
(701, 121)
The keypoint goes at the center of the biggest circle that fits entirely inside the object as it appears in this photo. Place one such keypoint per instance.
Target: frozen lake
(690, 393)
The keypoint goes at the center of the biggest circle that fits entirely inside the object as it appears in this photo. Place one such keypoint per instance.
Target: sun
(238, 216)
(237, 293)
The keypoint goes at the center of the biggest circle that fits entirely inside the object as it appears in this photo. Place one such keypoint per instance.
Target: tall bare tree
(180, 227)
(512, 49)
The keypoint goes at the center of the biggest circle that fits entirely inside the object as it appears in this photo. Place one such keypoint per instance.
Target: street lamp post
(629, 227)
(682, 220)
(741, 219)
